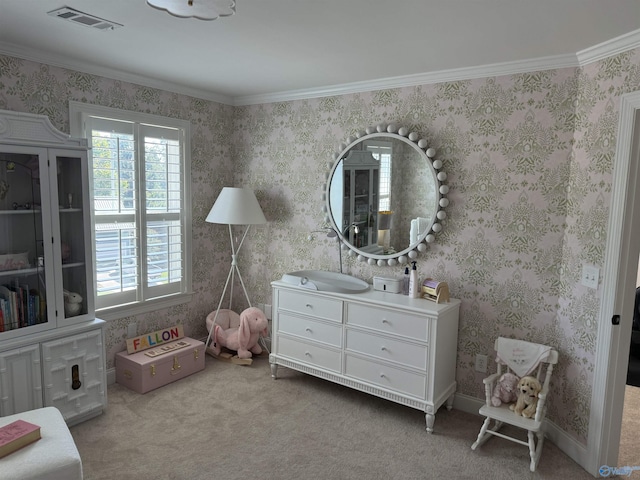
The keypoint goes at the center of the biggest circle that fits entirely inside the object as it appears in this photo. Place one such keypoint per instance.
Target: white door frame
(618, 292)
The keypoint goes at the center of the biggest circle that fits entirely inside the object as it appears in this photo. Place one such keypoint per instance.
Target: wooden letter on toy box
(154, 339)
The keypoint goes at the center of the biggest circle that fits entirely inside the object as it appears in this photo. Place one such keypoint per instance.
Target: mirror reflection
(383, 195)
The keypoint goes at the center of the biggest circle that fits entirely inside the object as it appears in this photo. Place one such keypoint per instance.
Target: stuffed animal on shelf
(72, 303)
(506, 390)
(527, 403)
(238, 333)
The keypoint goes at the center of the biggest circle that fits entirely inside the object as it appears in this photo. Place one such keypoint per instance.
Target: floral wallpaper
(529, 159)
(30, 87)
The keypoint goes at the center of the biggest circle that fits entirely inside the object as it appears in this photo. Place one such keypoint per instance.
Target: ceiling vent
(81, 18)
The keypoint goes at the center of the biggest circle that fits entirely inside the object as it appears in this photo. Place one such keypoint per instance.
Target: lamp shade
(236, 206)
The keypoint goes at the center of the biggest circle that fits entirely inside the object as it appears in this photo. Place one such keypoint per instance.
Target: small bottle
(414, 288)
(405, 281)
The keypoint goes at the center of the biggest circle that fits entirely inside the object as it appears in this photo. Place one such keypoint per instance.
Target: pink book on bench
(16, 435)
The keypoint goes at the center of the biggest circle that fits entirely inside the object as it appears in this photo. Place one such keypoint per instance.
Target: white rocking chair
(521, 358)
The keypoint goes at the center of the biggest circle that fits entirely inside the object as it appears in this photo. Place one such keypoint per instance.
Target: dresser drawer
(390, 378)
(387, 349)
(309, 304)
(329, 333)
(388, 321)
(314, 355)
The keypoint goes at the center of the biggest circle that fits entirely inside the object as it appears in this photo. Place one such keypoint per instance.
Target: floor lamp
(234, 206)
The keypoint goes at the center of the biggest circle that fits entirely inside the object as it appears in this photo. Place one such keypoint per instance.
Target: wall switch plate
(590, 276)
(481, 363)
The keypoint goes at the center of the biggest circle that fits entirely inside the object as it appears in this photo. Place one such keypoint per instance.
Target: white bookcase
(51, 344)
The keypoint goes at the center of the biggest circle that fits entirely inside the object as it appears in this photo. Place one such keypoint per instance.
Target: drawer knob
(384, 320)
(382, 375)
(307, 354)
(308, 305)
(384, 349)
(307, 330)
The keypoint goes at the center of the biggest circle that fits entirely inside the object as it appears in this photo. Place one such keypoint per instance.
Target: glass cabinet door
(361, 206)
(73, 250)
(360, 187)
(26, 260)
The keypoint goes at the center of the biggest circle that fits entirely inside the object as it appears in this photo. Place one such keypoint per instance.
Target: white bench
(53, 457)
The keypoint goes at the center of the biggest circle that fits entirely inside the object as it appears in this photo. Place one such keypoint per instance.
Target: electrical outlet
(590, 275)
(267, 310)
(481, 363)
(132, 330)
(260, 306)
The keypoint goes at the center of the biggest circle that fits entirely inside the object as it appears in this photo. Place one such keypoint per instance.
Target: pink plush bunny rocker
(243, 339)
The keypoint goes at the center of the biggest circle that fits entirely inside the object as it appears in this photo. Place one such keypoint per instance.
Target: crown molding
(584, 57)
(114, 74)
(467, 73)
(609, 48)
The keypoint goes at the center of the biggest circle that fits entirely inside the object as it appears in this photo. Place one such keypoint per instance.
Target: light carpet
(630, 434)
(235, 422)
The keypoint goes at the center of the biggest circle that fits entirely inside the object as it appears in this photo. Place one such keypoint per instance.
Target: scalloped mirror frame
(428, 153)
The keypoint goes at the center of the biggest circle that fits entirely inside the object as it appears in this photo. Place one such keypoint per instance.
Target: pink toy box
(150, 369)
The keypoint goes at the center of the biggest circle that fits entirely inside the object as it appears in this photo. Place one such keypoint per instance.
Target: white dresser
(385, 344)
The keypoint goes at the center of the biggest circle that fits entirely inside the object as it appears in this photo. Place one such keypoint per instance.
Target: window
(139, 176)
(382, 151)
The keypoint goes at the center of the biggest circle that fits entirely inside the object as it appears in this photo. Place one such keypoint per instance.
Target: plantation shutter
(138, 185)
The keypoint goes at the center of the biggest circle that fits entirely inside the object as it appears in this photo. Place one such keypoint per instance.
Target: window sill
(133, 309)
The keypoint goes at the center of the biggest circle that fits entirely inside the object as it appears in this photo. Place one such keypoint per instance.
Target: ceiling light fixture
(201, 9)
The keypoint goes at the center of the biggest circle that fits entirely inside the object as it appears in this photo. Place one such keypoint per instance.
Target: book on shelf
(20, 306)
(16, 435)
(34, 301)
(9, 307)
(16, 304)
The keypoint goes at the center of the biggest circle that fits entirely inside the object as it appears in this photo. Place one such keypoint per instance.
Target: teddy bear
(527, 403)
(239, 334)
(505, 390)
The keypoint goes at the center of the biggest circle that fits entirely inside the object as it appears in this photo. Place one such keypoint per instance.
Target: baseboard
(570, 446)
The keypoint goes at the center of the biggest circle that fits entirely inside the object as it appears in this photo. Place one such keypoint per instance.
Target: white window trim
(76, 111)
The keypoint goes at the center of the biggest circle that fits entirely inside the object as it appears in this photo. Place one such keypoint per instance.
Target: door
(617, 293)
(26, 253)
(20, 381)
(73, 247)
(73, 371)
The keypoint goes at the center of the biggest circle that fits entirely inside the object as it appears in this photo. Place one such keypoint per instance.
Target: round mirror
(385, 195)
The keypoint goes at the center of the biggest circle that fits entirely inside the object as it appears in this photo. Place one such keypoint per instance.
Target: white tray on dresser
(385, 344)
